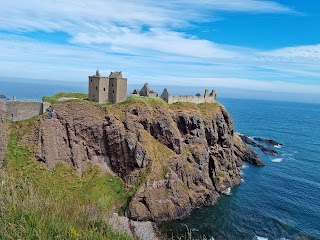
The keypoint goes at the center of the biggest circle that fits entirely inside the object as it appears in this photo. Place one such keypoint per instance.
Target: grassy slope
(41, 203)
(54, 98)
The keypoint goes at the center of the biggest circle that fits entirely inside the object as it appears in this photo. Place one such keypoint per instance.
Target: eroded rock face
(179, 157)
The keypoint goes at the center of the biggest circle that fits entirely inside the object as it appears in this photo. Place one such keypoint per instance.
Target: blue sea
(278, 201)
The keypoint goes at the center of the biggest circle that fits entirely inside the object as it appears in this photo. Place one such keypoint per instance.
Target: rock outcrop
(176, 157)
(264, 149)
(269, 142)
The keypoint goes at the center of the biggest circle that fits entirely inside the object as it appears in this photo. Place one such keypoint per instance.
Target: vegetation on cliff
(143, 157)
(41, 203)
(71, 96)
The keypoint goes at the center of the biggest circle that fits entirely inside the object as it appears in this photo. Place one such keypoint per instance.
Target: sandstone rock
(137, 230)
(179, 156)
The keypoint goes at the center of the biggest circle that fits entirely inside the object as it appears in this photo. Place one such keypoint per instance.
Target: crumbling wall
(22, 110)
(208, 98)
(191, 99)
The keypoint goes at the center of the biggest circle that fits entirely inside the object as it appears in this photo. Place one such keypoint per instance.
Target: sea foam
(227, 191)
(278, 146)
(260, 238)
(276, 160)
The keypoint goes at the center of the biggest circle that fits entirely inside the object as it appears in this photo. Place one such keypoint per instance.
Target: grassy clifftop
(69, 96)
(41, 203)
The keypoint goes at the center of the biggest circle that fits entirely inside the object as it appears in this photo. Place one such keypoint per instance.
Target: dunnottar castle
(113, 89)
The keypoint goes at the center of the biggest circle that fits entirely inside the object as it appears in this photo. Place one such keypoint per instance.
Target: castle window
(93, 96)
(96, 88)
(112, 91)
(91, 80)
(104, 89)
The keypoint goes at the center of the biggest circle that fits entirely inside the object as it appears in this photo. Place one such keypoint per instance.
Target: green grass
(41, 203)
(54, 98)
(27, 214)
(137, 99)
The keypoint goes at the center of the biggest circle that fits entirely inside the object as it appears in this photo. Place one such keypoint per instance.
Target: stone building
(112, 89)
(198, 98)
(145, 92)
(16, 110)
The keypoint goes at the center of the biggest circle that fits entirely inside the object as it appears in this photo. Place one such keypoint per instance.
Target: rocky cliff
(173, 158)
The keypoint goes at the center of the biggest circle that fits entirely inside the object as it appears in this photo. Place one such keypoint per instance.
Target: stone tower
(117, 87)
(112, 89)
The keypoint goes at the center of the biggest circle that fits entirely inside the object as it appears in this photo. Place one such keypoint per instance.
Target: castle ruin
(19, 110)
(198, 98)
(112, 89)
(145, 92)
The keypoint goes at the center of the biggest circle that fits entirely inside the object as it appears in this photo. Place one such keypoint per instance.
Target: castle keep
(112, 89)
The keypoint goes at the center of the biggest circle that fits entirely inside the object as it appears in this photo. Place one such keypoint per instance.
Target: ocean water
(278, 201)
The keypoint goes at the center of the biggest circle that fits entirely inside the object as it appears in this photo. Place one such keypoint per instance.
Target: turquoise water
(278, 201)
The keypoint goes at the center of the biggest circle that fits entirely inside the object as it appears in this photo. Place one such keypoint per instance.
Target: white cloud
(248, 6)
(51, 15)
(298, 53)
(158, 40)
(148, 41)
(124, 25)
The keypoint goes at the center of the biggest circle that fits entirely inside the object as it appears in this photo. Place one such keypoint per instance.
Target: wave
(259, 238)
(276, 160)
(289, 156)
(278, 146)
(227, 191)
(244, 166)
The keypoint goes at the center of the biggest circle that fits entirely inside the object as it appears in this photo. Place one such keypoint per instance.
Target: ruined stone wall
(22, 110)
(153, 95)
(191, 99)
(207, 98)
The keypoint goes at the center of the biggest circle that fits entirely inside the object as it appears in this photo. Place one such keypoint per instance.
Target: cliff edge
(172, 158)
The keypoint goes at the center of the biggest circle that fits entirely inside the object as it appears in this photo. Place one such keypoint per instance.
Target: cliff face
(174, 157)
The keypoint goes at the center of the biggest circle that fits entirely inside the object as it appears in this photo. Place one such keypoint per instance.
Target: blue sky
(246, 44)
